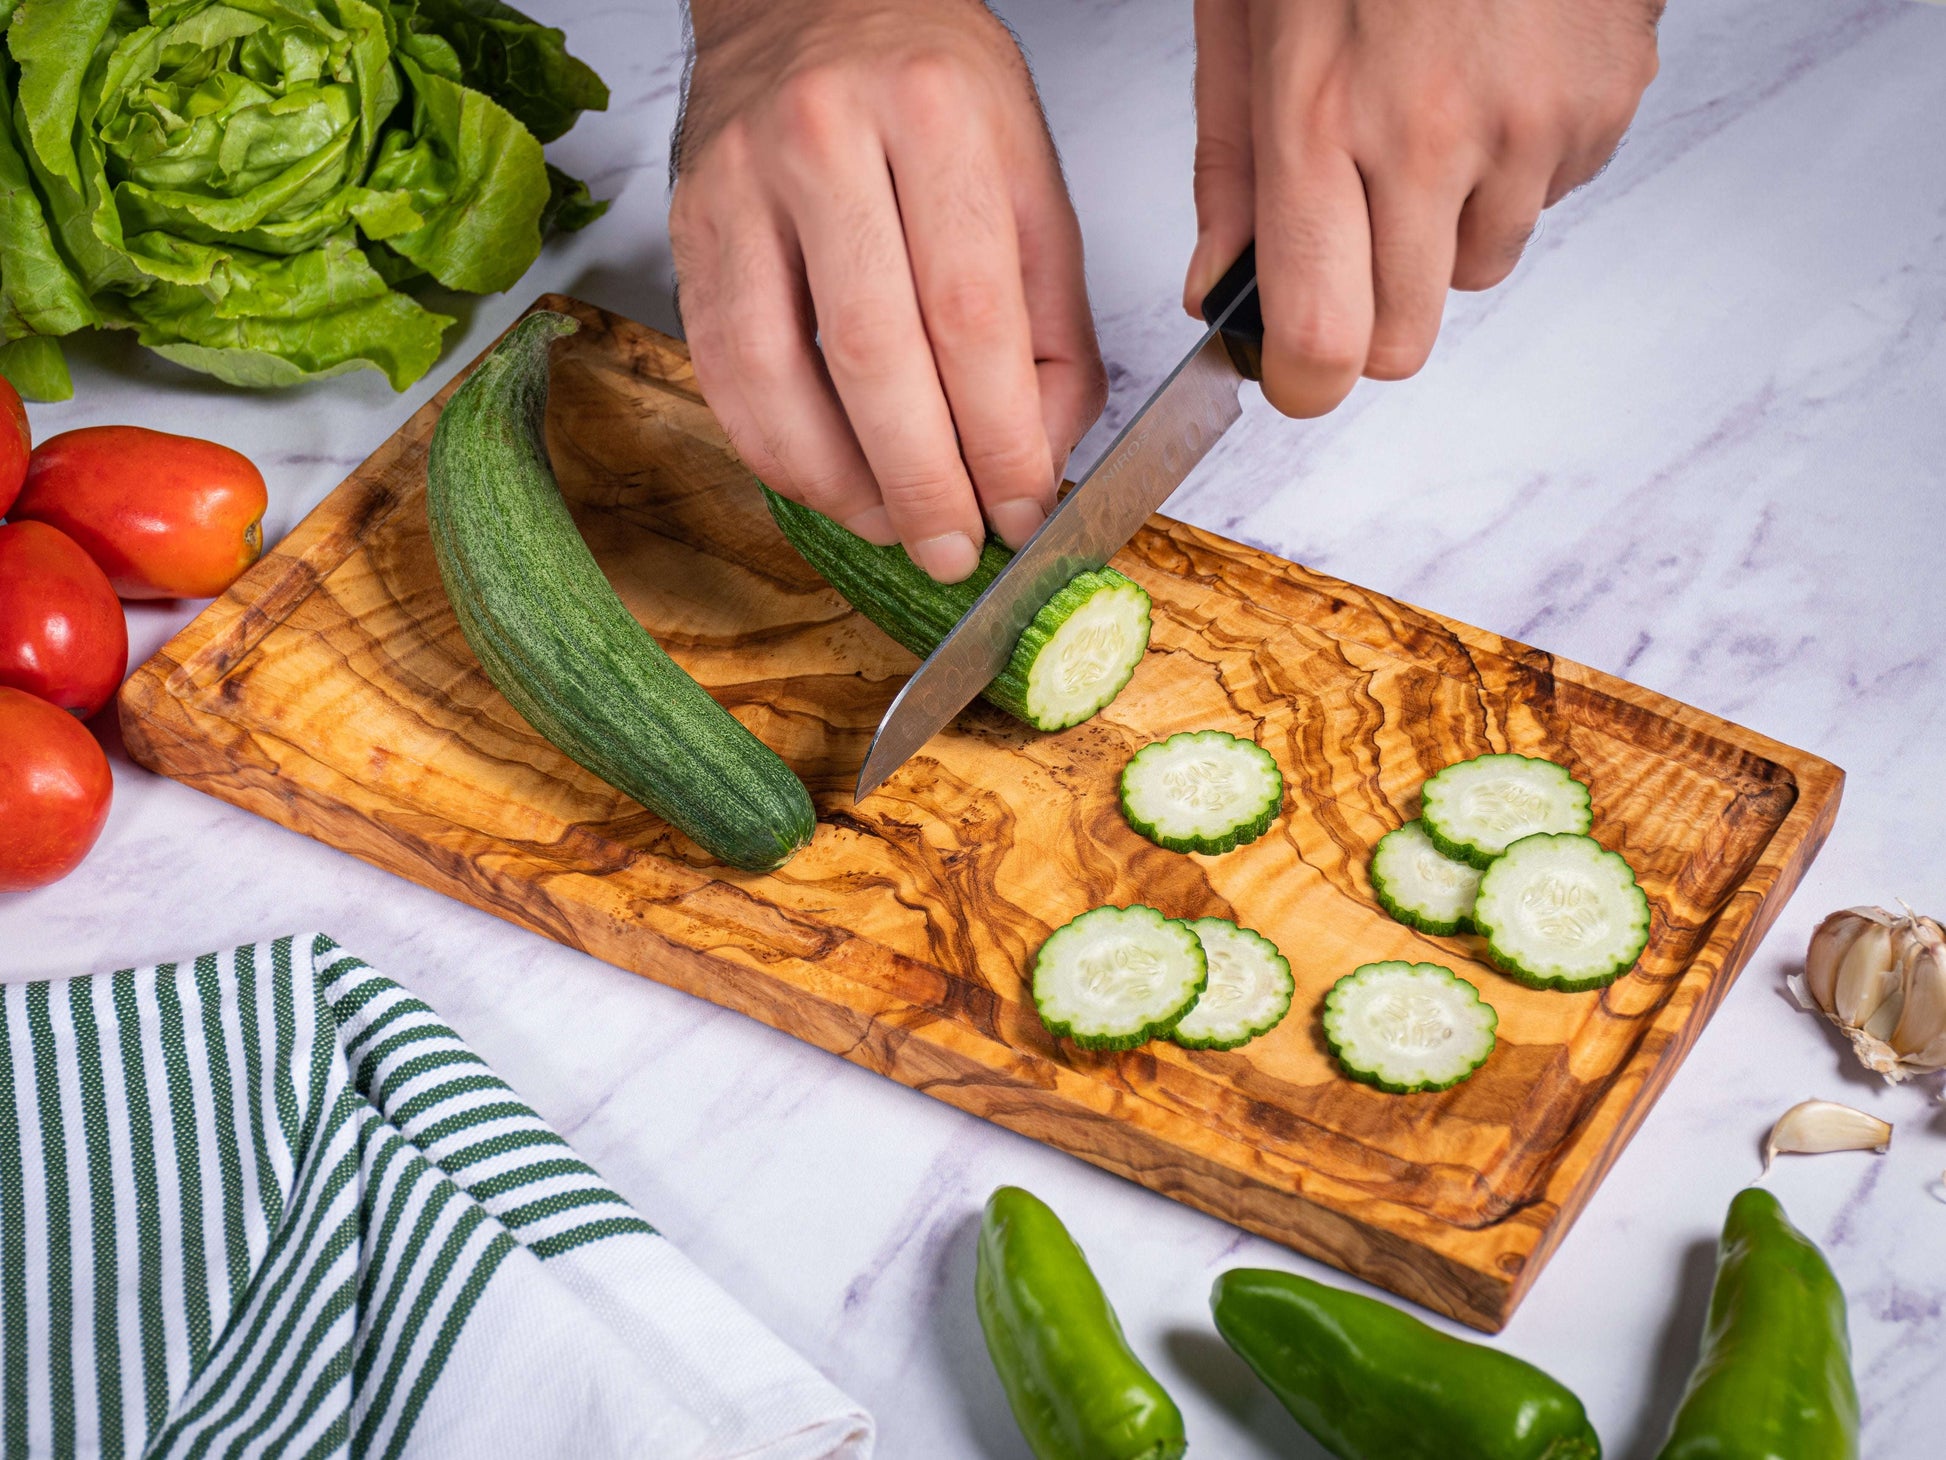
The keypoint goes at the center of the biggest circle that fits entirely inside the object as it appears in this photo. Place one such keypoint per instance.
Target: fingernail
(1061, 469)
(949, 557)
(874, 524)
(1017, 520)
(1197, 285)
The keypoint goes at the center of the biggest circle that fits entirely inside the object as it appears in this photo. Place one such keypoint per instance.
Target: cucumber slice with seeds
(1475, 810)
(1202, 791)
(1249, 990)
(1082, 647)
(1116, 977)
(1562, 912)
(1420, 885)
(1406, 1027)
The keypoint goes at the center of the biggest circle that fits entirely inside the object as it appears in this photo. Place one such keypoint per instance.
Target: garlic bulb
(1813, 1127)
(1881, 977)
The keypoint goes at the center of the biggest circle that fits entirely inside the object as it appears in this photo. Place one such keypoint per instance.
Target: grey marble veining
(1698, 440)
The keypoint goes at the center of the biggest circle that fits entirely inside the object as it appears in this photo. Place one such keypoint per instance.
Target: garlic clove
(1922, 974)
(1813, 1127)
(1830, 943)
(1926, 1058)
(1867, 977)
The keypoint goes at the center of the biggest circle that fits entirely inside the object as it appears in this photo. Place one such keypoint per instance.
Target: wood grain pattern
(331, 690)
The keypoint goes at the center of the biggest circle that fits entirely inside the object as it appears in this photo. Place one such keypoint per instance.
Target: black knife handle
(1243, 331)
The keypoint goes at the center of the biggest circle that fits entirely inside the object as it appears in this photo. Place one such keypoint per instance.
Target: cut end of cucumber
(1084, 646)
(1475, 810)
(1420, 885)
(1248, 993)
(1202, 791)
(1408, 1027)
(1116, 977)
(1563, 912)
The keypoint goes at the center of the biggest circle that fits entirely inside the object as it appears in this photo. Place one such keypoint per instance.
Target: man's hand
(880, 270)
(1381, 150)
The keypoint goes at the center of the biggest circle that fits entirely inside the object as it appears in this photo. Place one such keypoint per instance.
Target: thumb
(1225, 162)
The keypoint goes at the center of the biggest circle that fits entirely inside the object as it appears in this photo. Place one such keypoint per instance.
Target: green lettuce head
(245, 183)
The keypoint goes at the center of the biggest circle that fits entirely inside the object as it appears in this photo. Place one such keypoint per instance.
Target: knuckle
(733, 146)
(1221, 158)
(822, 491)
(761, 350)
(860, 340)
(1649, 67)
(757, 457)
(685, 212)
(1439, 121)
(967, 310)
(813, 109)
(931, 88)
(1325, 346)
(924, 493)
(1529, 123)
(691, 232)
(1010, 456)
(1476, 270)
(1397, 358)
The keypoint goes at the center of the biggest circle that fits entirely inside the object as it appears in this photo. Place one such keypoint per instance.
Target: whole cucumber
(556, 640)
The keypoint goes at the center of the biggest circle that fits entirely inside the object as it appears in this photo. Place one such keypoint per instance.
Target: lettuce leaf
(523, 65)
(34, 366)
(247, 183)
(570, 206)
(476, 177)
(269, 321)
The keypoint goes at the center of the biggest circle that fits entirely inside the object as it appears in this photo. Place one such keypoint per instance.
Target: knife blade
(1185, 416)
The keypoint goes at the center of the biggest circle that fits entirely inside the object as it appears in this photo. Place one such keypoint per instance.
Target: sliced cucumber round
(1408, 1026)
(1475, 810)
(1248, 993)
(1420, 885)
(1202, 791)
(1116, 977)
(1562, 912)
(1083, 645)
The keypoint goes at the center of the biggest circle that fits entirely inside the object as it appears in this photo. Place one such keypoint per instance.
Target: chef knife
(1155, 451)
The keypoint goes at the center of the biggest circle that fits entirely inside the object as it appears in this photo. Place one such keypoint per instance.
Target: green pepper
(1372, 1383)
(1077, 1390)
(1773, 1381)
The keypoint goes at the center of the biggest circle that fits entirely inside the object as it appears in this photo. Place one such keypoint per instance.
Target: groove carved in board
(332, 691)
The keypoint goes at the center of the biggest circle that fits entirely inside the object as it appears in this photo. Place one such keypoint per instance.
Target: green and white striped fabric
(265, 1203)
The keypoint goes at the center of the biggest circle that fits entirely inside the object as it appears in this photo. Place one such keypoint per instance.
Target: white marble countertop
(1699, 440)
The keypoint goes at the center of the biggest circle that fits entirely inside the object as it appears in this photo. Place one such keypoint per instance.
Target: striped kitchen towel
(265, 1203)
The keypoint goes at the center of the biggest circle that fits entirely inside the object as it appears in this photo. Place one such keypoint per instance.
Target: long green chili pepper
(1372, 1383)
(1077, 1390)
(1773, 1381)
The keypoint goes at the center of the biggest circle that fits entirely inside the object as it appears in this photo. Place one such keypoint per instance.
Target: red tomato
(15, 441)
(62, 634)
(165, 516)
(55, 787)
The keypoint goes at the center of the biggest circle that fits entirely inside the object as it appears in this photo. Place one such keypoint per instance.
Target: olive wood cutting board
(331, 690)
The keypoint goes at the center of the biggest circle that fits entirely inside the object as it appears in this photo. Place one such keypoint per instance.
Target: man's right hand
(879, 268)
